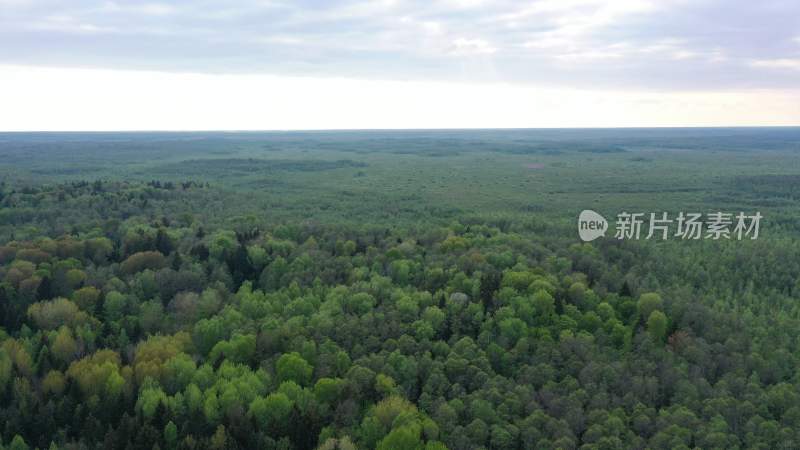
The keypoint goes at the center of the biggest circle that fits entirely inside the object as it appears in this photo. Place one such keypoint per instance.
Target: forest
(409, 290)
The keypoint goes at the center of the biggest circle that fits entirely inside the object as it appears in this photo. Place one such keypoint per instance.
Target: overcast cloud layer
(642, 44)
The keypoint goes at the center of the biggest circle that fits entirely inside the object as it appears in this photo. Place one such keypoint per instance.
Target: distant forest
(395, 290)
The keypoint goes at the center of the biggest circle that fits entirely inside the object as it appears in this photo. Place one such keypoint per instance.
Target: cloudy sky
(273, 64)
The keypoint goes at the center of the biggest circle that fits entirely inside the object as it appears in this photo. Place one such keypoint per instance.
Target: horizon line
(291, 130)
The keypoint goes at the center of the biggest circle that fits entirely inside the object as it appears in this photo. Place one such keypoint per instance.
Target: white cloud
(545, 42)
(588, 56)
(585, 11)
(433, 27)
(464, 46)
(148, 9)
(577, 35)
(778, 63)
(571, 19)
(69, 24)
(280, 39)
(664, 45)
(662, 49)
(463, 4)
(684, 54)
(615, 42)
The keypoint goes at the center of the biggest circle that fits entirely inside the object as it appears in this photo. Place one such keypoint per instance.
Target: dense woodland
(136, 316)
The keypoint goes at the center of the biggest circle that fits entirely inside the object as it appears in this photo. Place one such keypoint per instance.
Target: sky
(273, 64)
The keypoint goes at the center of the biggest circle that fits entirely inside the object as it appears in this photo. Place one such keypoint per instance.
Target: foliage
(410, 291)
